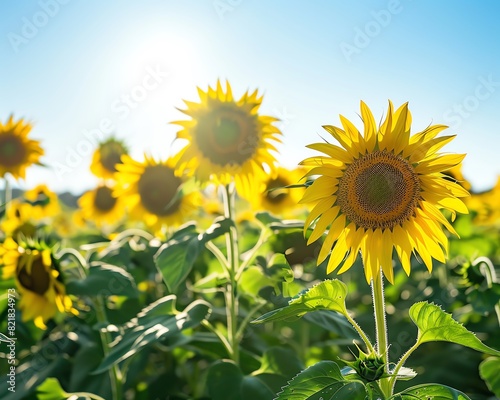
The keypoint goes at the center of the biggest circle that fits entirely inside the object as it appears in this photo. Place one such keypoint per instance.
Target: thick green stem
(381, 327)
(114, 373)
(234, 264)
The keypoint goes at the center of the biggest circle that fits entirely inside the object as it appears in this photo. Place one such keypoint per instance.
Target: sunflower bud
(370, 367)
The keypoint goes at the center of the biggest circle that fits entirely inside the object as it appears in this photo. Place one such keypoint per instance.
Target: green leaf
(104, 280)
(154, 323)
(431, 391)
(327, 295)
(176, 257)
(253, 388)
(488, 370)
(220, 226)
(322, 381)
(436, 325)
(280, 361)
(484, 301)
(50, 358)
(50, 389)
(333, 322)
(275, 223)
(224, 381)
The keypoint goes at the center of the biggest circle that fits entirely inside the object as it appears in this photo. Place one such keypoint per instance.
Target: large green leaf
(50, 389)
(436, 325)
(489, 370)
(104, 280)
(322, 381)
(327, 295)
(224, 381)
(176, 257)
(431, 391)
(278, 360)
(156, 322)
(50, 358)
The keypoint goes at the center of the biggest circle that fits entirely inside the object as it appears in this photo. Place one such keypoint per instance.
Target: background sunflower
(106, 157)
(38, 280)
(381, 191)
(17, 151)
(278, 199)
(100, 206)
(227, 139)
(44, 202)
(152, 192)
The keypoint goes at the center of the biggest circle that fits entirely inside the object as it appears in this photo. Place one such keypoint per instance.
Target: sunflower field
(367, 272)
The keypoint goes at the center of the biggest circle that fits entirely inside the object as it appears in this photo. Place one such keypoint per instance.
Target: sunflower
(276, 197)
(18, 220)
(486, 206)
(38, 280)
(17, 152)
(153, 193)
(227, 139)
(100, 206)
(107, 157)
(44, 202)
(381, 191)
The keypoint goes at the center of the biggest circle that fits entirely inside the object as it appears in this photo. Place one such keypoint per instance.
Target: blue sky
(73, 67)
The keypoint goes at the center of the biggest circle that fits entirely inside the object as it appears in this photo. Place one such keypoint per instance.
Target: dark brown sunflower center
(12, 150)
(379, 190)
(38, 279)
(110, 155)
(276, 192)
(157, 187)
(227, 136)
(103, 199)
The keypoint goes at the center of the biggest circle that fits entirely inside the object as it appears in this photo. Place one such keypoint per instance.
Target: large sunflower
(17, 152)
(381, 191)
(100, 206)
(107, 157)
(38, 280)
(152, 192)
(228, 139)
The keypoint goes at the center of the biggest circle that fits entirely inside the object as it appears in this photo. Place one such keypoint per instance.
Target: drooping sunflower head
(153, 193)
(227, 139)
(106, 157)
(100, 206)
(380, 191)
(17, 151)
(276, 197)
(44, 202)
(38, 279)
